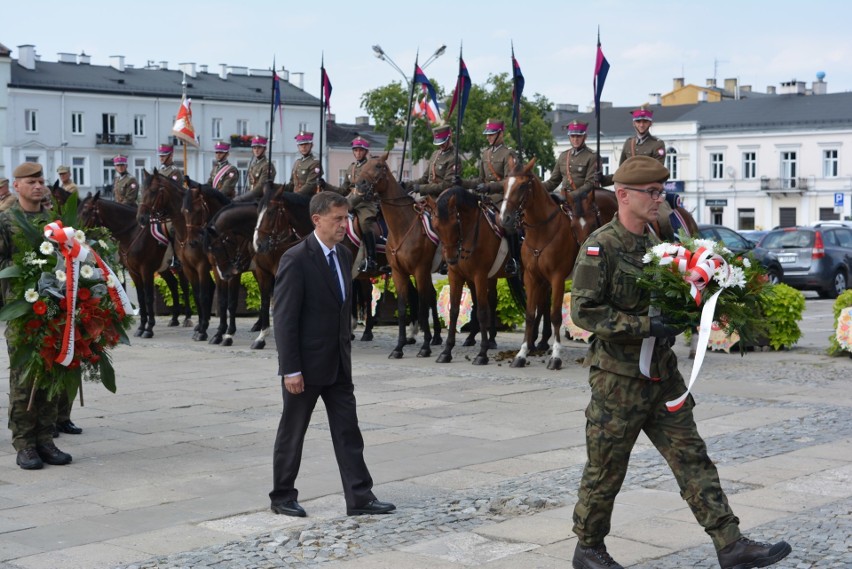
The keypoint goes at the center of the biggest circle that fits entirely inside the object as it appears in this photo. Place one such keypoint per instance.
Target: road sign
(838, 199)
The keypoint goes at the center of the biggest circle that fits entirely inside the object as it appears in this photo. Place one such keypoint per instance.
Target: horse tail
(519, 295)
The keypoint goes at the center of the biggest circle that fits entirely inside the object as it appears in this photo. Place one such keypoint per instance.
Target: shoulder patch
(593, 251)
(661, 151)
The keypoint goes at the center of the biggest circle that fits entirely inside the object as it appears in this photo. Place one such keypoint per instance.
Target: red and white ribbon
(73, 252)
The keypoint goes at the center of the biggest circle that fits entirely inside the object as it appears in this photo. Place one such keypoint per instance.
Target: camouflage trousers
(63, 407)
(33, 427)
(620, 408)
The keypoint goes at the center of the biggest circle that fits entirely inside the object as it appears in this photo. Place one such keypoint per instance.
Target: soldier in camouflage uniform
(7, 198)
(167, 165)
(365, 210)
(125, 188)
(607, 301)
(32, 431)
(575, 168)
(442, 166)
(65, 179)
(259, 171)
(224, 176)
(643, 144)
(307, 171)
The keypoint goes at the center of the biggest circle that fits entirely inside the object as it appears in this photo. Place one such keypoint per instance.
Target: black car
(740, 245)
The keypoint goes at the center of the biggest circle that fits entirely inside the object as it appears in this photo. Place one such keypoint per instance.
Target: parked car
(740, 245)
(814, 258)
(754, 235)
(833, 223)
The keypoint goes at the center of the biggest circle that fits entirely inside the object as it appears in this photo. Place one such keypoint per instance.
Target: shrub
(783, 307)
(842, 301)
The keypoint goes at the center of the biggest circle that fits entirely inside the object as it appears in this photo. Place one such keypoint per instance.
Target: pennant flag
(276, 99)
(517, 90)
(326, 89)
(601, 69)
(420, 77)
(463, 85)
(183, 123)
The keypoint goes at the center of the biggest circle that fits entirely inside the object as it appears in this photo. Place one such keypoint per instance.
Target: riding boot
(513, 267)
(369, 265)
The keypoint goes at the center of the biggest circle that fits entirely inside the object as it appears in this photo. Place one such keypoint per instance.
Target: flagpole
(183, 142)
(518, 103)
(271, 123)
(408, 120)
(322, 104)
(598, 109)
(459, 114)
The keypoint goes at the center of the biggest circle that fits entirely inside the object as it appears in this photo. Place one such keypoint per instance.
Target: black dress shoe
(68, 427)
(745, 553)
(371, 507)
(28, 459)
(289, 508)
(52, 455)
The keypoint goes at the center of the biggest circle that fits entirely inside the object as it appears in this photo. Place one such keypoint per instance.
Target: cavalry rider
(65, 179)
(441, 172)
(575, 168)
(307, 171)
(125, 188)
(365, 209)
(224, 175)
(167, 165)
(644, 143)
(496, 164)
(260, 171)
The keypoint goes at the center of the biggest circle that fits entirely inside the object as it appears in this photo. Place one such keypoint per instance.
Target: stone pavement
(483, 463)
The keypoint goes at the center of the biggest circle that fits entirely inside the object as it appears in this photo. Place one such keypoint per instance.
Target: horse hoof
(147, 334)
(197, 327)
(258, 344)
(216, 339)
(195, 336)
(444, 358)
(202, 336)
(469, 342)
(367, 336)
(436, 341)
(173, 323)
(395, 355)
(492, 344)
(518, 362)
(228, 342)
(424, 352)
(480, 360)
(554, 363)
(256, 327)
(409, 341)
(543, 346)
(187, 323)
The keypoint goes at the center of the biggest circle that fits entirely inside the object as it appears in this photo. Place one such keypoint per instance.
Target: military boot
(594, 557)
(369, 265)
(28, 459)
(745, 554)
(52, 455)
(513, 267)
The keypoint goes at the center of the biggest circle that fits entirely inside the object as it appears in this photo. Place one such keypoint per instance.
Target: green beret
(4, 182)
(28, 170)
(63, 170)
(641, 170)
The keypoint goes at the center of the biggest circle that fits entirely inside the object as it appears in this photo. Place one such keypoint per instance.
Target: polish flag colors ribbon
(73, 251)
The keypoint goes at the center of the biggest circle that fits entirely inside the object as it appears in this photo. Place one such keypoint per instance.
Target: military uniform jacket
(259, 172)
(69, 187)
(126, 189)
(575, 170)
(8, 228)
(224, 177)
(306, 173)
(495, 166)
(440, 174)
(172, 171)
(8, 202)
(363, 208)
(606, 301)
(649, 146)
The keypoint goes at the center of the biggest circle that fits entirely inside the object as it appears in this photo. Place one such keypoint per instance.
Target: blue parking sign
(838, 199)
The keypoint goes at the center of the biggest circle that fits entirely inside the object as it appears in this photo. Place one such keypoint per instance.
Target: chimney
(64, 57)
(711, 82)
(188, 68)
(745, 88)
(117, 62)
(702, 96)
(285, 75)
(27, 56)
(84, 59)
(362, 121)
(202, 68)
(237, 70)
(301, 77)
(770, 89)
(820, 87)
(223, 71)
(792, 87)
(731, 85)
(164, 65)
(656, 98)
(260, 72)
(678, 83)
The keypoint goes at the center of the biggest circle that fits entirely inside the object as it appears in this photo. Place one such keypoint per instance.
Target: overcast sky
(647, 44)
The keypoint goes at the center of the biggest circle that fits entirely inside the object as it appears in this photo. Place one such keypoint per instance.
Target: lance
(322, 105)
(459, 87)
(408, 120)
(516, 102)
(271, 122)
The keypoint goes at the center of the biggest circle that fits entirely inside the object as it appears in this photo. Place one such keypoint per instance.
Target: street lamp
(380, 54)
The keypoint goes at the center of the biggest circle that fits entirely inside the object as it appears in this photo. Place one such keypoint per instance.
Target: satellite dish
(730, 171)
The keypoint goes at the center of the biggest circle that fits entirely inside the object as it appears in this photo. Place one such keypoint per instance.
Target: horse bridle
(238, 259)
(460, 249)
(563, 207)
(275, 238)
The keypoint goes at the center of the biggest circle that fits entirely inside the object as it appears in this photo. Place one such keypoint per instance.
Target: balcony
(241, 141)
(114, 139)
(783, 185)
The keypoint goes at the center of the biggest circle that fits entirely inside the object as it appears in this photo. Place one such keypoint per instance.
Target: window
(139, 125)
(216, 129)
(242, 127)
(788, 169)
(787, 216)
(108, 174)
(749, 165)
(830, 164)
(671, 163)
(78, 170)
(605, 165)
(844, 238)
(76, 123)
(745, 219)
(139, 164)
(108, 122)
(30, 120)
(717, 163)
(242, 166)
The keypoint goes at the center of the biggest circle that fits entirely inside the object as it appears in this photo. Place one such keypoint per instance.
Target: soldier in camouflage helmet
(224, 176)
(260, 171)
(607, 301)
(441, 172)
(125, 188)
(307, 171)
(167, 165)
(643, 144)
(65, 179)
(575, 168)
(7, 198)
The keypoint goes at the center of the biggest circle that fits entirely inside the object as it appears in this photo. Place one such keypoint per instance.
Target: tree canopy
(387, 105)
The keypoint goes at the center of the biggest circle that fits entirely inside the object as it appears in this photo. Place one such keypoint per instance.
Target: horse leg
(365, 289)
(456, 283)
(402, 285)
(436, 321)
(472, 326)
(208, 289)
(532, 316)
(484, 315)
(492, 314)
(171, 282)
(557, 288)
(425, 301)
(148, 294)
(140, 298)
(413, 311)
(222, 297)
(186, 292)
(547, 318)
(233, 288)
(264, 283)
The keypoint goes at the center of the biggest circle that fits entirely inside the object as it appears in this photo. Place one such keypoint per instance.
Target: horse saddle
(353, 231)
(490, 212)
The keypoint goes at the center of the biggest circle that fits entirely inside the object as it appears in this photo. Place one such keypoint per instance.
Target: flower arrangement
(66, 308)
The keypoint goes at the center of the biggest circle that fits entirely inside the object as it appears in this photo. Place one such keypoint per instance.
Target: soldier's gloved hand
(417, 197)
(321, 183)
(404, 185)
(664, 327)
(481, 188)
(598, 178)
(414, 188)
(457, 181)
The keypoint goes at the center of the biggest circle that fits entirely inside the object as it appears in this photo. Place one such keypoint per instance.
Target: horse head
(283, 219)
(375, 177)
(161, 199)
(456, 207)
(88, 212)
(227, 239)
(516, 189)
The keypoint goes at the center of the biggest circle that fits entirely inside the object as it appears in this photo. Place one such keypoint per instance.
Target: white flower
(664, 249)
(708, 244)
(39, 262)
(31, 295)
(726, 252)
(46, 248)
(60, 276)
(647, 258)
(103, 244)
(80, 236)
(110, 281)
(746, 263)
(87, 272)
(729, 276)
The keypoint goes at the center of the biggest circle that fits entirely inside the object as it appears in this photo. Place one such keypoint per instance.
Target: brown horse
(605, 205)
(141, 254)
(553, 234)
(409, 252)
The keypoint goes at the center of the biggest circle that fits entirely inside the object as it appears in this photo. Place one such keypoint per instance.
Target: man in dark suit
(313, 334)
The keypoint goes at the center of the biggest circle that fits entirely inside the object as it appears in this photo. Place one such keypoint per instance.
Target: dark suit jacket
(312, 326)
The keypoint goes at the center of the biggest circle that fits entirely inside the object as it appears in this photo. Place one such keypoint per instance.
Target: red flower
(33, 324)
(39, 307)
(84, 294)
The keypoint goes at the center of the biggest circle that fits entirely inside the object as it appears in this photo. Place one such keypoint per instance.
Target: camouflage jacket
(69, 187)
(224, 177)
(306, 173)
(650, 146)
(7, 202)
(575, 170)
(440, 174)
(496, 164)
(8, 228)
(126, 189)
(172, 171)
(606, 301)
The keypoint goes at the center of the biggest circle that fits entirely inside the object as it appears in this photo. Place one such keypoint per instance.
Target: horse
(59, 195)
(553, 234)
(409, 251)
(142, 255)
(474, 255)
(604, 206)
(162, 201)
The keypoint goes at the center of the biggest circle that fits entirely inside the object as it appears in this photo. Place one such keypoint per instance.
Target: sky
(647, 44)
